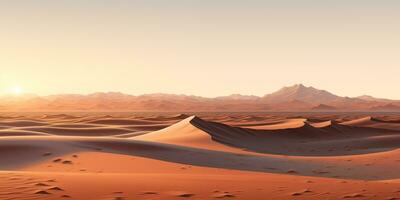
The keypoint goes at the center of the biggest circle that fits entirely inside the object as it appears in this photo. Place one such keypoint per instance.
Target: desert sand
(204, 156)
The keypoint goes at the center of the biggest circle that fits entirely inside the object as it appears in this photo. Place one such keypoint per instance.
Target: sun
(17, 90)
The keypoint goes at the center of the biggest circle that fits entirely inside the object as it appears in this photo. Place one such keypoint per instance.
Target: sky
(199, 47)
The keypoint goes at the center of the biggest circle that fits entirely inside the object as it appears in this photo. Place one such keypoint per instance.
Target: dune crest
(373, 122)
(360, 121)
(185, 133)
(323, 138)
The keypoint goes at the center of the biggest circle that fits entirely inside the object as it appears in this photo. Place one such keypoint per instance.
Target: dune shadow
(332, 139)
(31, 150)
(224, 160)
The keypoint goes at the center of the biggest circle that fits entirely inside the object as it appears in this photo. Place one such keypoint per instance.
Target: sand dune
(98, 131)
(94, 156)
(325, 124)
(361, 121)
(22, 123)
(283, 124)
(167, 118)
(51, 151)
(185, 133)
(374, 123)
(20, 133)
(75, 125)
(59, 116)
(326, 138)
(122, 122)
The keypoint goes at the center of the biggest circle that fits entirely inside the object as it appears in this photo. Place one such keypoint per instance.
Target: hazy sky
(200, 47)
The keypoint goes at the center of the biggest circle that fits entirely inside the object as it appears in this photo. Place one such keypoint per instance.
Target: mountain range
(294, 98)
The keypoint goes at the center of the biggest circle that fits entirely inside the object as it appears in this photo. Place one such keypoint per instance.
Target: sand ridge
(134, 156)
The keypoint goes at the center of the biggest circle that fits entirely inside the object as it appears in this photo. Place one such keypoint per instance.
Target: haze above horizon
(205, 48)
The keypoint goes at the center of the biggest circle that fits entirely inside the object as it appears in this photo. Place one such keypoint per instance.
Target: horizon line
(185, 94)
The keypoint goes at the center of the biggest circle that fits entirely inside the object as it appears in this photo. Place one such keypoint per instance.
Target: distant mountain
(294, 105)
(300, 92)
(238, 97)
(323, 107)
(387, 107)
(371, 98)
(293, 98)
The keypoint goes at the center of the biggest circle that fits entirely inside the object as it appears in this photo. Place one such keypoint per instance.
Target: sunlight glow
(16, 90)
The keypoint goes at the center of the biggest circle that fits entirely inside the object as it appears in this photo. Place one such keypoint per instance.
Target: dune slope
(101, 156)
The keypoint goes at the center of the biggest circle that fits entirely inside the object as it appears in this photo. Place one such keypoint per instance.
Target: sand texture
(125, 156)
